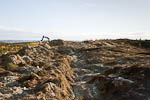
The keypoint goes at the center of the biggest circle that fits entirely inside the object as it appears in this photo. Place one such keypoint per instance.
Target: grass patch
(13, 47)
(12, 67)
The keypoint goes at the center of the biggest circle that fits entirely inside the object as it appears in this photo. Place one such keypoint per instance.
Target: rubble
(65, 70)
(56, 42)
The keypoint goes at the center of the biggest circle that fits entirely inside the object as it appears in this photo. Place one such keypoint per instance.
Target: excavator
(43, 39)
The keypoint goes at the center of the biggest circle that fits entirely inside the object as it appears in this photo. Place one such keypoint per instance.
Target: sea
(18, 41)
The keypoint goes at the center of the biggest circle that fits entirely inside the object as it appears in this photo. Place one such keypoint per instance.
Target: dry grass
(13, 47)
(80, 98)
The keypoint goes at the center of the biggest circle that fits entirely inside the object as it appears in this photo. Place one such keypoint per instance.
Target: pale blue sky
(74, 19)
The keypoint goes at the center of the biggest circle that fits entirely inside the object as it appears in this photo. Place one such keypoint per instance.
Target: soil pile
(65, 70)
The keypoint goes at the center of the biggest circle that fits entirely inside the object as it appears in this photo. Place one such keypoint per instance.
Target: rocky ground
(65, 70)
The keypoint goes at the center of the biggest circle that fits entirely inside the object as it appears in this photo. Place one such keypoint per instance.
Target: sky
(74, 19)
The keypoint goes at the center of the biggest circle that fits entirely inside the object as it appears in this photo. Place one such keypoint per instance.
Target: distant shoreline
(18, 41)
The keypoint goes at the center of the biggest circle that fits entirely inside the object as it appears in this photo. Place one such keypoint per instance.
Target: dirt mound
(38, 73)
(126, 83)
(56, 42)
(88, 70)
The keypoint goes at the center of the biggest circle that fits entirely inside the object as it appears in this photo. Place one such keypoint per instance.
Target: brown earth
(65, 70)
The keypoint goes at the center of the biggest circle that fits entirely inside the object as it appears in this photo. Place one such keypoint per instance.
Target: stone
(47, 46)
(29, 77)
(17, 90)
(27, 59)
(30, 69)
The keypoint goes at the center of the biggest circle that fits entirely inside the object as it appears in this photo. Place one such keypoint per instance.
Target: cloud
(117, 35)
(89, 4)
(7, 33)
(4, 28)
